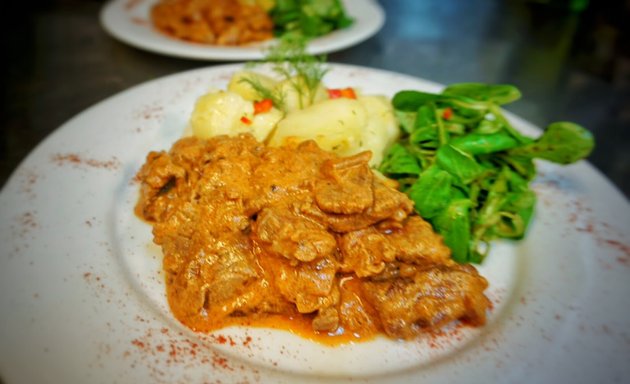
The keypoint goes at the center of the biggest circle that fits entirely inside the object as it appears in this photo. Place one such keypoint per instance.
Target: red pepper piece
(262, 106)
(336, 93)
(447, 114)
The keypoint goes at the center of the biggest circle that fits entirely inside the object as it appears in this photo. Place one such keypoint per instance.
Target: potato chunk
(335, 125)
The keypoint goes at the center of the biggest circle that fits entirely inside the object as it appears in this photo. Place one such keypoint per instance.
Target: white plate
(82, 295)
(129, 21)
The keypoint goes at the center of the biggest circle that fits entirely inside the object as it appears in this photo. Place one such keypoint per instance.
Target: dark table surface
(570, 65)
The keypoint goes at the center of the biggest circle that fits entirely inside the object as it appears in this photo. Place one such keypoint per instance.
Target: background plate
(129, 22)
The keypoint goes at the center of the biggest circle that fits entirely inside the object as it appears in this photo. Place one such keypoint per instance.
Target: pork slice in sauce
(356, 315)
(282, 177)
(426, 298)
(365, 251)
(249, 232)
(209, 276)
(310, 286)
(389, 204)
(416, 242)
(160, 176)
(346, 185)
(283, 231)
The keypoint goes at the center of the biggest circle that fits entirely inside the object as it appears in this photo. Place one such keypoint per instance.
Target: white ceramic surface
(129, 22)
(82, 294)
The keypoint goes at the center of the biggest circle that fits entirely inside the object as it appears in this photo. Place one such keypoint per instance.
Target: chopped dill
(289, 59)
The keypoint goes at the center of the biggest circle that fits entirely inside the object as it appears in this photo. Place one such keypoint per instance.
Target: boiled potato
(264, 123)
(239, 85)
(343, 125)
(381, 130)
(335, 125)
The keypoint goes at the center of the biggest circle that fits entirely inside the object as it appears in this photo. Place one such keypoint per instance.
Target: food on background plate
(297, 237)
(218, 22)
(241, 22)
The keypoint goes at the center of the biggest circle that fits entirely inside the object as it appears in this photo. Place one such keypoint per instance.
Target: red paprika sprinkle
(245, 120)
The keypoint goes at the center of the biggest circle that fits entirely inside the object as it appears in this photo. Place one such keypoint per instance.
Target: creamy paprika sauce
(297, 238)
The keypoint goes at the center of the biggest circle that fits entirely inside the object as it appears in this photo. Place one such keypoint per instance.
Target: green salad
(468, 169)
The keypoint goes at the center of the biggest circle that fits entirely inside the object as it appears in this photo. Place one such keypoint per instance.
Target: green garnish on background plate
(308, 18)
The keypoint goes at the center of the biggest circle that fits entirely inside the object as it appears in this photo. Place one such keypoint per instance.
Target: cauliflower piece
(228, 113)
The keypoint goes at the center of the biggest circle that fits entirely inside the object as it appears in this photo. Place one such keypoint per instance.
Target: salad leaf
(471, 168)
(400, 161)
(425, 126)
(478, 144)
(454, 225)
(497, 93)
(431, 192)
(410, 101)
(458, 163)
(562, 142)
(406, 120)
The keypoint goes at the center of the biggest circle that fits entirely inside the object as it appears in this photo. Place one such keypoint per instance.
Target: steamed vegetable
(295, 106)
(227, 112)
(468, 169)
(335, 124)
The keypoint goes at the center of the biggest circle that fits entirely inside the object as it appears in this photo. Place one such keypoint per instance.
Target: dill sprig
(289, 59)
